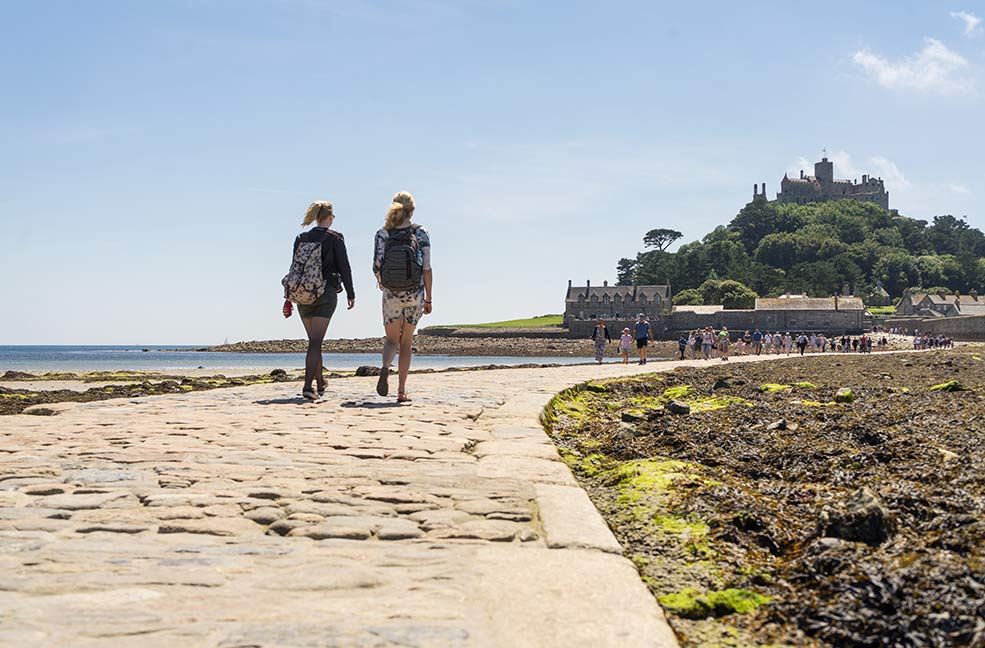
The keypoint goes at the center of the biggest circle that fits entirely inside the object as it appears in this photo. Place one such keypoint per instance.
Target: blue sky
(157, 157)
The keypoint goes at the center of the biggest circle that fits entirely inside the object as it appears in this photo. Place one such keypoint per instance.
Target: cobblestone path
(245, 517)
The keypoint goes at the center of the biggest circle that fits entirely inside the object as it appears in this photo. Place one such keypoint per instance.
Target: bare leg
(316, 328)
(392, 341)
(406, 348)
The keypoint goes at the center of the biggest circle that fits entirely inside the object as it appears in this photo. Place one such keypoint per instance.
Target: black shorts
(641, 342)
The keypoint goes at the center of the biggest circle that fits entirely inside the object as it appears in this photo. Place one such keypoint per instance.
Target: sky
(156, 157)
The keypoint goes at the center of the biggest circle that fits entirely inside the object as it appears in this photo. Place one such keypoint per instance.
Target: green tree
(661, 239)
(689, 297)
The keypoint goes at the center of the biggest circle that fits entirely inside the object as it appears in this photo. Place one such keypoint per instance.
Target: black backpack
(401, 270)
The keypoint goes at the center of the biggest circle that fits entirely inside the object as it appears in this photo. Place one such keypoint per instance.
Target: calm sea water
(135, 358)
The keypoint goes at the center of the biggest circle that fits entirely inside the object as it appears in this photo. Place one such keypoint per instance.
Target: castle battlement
(822, 186)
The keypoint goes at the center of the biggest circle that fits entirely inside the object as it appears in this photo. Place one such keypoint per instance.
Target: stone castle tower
(822, 186)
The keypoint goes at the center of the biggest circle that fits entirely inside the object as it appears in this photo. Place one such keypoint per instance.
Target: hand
(352, 303)
(288, 309)
(427, 307)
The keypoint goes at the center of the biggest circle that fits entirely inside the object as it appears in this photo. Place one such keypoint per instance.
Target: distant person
(402, 265)
(723, 343)
(625, 344)
(601, 336)
(691, 342)
(802, 343)
(682, 345)
(315, 286)
(757, 342)
(707, 342)
(643, 336)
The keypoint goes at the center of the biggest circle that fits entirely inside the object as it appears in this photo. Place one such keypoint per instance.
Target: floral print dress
(407, 305)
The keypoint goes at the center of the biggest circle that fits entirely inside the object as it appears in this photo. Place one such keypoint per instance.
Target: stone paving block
(570, 520)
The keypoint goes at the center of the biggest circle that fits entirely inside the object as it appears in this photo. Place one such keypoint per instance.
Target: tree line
(770, 249)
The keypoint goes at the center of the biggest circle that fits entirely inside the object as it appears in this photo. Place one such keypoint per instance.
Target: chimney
(569, 285)
(801, 174)
(588, 287)
(755, 190)
(764, 190)
(865, 179)
(605, 284)
(836, 302)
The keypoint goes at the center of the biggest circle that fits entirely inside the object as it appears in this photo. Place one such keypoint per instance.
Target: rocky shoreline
(518, 347)
(830, 501)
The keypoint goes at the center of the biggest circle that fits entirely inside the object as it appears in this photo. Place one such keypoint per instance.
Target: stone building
(822, 187)
(614, 302)
(940, 304)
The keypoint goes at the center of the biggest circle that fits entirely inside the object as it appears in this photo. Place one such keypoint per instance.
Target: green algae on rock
(950, 386)
(691, 604)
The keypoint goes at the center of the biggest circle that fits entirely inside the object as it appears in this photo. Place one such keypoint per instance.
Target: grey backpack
(304, 282)
(401, 270)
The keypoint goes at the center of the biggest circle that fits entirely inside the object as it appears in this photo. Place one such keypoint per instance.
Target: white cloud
(972, 23)
(889, 172)
(935, 68)
(959, 189)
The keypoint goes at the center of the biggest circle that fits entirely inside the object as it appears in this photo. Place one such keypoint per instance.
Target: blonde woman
(402, 265)
(337, 273)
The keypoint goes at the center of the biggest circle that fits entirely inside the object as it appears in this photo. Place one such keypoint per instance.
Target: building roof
(810, 303)
(880, 291)
(937, 298)
(701, 310)
(626, 292)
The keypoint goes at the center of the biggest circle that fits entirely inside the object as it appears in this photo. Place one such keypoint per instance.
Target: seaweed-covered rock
(367, 371)
(863, 517)
(844, 395)
(678, 407)
(279, 375)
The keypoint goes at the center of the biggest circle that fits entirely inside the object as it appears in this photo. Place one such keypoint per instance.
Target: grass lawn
(882, 310)
(531, 322)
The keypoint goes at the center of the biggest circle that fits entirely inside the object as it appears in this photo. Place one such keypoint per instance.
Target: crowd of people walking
(710, 343)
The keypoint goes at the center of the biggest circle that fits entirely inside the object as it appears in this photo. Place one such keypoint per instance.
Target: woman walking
(402, 265)
(601, 337)
(334, 273)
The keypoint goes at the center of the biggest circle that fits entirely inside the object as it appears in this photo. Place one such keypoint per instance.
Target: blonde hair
(401, 209)
(317, 211)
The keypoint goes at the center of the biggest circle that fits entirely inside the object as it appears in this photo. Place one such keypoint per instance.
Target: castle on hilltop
(822, 187)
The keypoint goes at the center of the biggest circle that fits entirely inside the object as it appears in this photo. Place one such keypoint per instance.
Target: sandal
(382, 385)
(321, 390)
(310, 395)
(403, 398)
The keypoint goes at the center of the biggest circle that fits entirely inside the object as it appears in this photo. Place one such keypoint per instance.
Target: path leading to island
(245, 517)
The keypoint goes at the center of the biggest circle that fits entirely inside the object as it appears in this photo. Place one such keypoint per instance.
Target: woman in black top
(337, 273)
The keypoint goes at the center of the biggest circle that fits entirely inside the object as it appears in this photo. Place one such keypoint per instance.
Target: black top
(334, 258)
(595, 333)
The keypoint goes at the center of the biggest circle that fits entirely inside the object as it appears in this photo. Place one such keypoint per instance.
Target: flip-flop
(321, 392)
(403, 398)
(382, 385)
(310, 395)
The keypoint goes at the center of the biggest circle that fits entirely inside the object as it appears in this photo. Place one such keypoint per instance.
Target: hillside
(817, 248)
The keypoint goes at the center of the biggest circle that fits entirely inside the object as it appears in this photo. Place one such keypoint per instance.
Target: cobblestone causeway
(246, 517)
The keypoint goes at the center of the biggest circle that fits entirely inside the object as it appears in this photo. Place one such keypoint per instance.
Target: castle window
(642, 299)
(605, 299)
(581, 300)
(618, 299)
(595, 299)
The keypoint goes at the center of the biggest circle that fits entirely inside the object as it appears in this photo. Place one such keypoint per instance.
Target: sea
(171, 358)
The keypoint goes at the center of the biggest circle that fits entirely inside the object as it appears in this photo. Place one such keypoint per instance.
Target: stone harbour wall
(966, 328)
